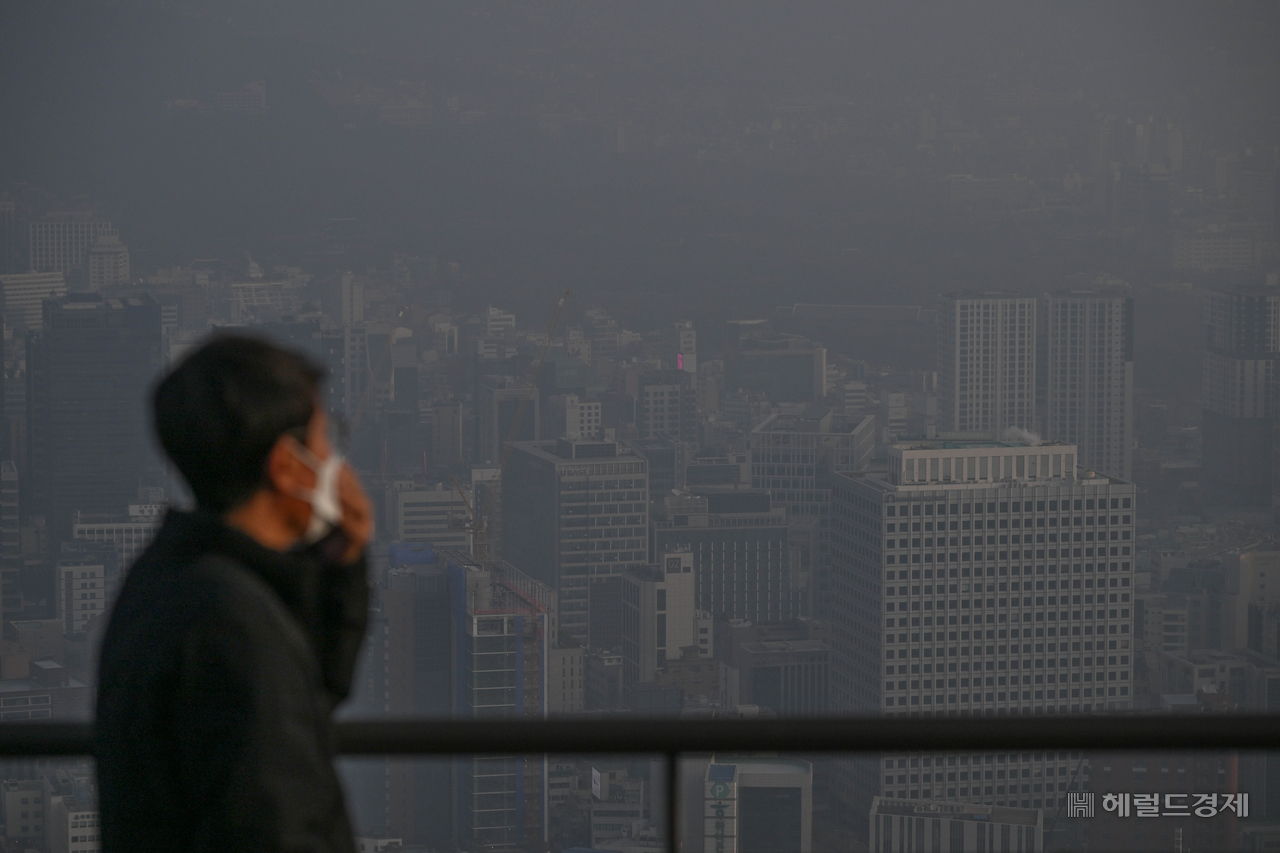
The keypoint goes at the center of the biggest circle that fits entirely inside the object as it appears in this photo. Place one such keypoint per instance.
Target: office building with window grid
(503, 624)
(1242, 344)
(986, 362)
(575, 516)
(59, 241)
(793, 456)
(90, 368)
(667, 405)
(435, 513)
(1088, 377)
(902, 827)
(980, 579)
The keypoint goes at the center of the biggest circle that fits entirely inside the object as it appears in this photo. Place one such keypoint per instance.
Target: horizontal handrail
(567, 736)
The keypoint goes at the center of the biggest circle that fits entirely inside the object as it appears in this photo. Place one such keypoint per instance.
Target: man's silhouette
(236, 633)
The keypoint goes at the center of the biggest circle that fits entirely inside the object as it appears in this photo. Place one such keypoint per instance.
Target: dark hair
(222, 409)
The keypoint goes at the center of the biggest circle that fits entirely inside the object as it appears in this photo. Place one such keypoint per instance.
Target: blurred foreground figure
(237, 631)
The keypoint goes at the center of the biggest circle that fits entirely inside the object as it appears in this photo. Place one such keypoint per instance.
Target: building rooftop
(789, 766)
(957, 811)
(814, 419)
(768, 646)
(952, 444)
(567, 450)
(29, 685)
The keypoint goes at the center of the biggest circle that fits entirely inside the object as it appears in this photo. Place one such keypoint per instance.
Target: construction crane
(479, 515)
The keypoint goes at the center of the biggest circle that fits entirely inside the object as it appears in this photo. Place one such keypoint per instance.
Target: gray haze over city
(652, 322)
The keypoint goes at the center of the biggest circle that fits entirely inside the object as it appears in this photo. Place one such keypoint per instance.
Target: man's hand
(357, 514)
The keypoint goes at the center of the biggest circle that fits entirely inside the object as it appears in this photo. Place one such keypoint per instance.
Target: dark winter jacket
(219, 674)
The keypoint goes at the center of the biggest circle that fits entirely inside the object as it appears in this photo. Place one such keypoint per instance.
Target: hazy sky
(834, 205)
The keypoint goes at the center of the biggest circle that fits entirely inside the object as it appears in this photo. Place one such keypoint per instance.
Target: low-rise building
(129, 534)
(604, 680)
(900, 826)
(758, 804)
(72, 824)
(566, 679)
(23, 808)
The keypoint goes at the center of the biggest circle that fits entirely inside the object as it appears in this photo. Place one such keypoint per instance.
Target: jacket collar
(294, 575)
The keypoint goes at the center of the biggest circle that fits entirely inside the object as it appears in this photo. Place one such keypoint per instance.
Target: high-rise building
(1175, 778)
(12, 235)
(565, 374)
(1243, 327)
(406, 671)
(667, 405)
(566, 679)
(129, 533)
(446, 435)
(783, 369)
(604, 333)
(750, 560)
(89, 370)
(343, 351)
(569, 416)
(24, 296)
(1088, 377)
(782, 666)
(575, 516)
(498, 322)
(436, 514)
(1216, 249)
(1032, 615)
(249, 100)
(10, 541)
(500, 403)
(83, 573)
(686, 346)
(755, 804)
(351, 297)
(986, 363)
(668, 461)
(604, 680)
(415, 611)
(503, 624)
(59, 241)
(108, 261)
(660, 619)
(794, 458)
(444, 334)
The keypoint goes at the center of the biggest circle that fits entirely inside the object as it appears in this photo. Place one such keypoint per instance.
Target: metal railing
(671, 738)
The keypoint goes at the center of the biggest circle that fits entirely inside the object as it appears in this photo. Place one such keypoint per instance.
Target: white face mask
(326, 508)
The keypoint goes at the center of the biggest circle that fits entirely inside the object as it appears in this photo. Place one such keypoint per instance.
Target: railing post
(673, 802)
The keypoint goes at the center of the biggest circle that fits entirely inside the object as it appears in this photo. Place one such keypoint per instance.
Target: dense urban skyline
(651, 325)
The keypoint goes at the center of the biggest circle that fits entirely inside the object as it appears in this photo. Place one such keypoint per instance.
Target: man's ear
(285, 471)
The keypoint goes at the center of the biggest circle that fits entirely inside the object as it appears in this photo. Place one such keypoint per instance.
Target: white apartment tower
(986, 363)
(980, 578)
(1088, 377)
